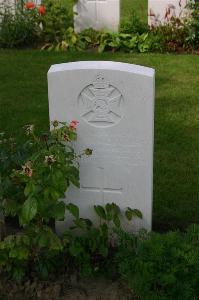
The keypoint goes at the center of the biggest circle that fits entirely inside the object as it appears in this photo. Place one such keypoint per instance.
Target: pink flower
(73, 124)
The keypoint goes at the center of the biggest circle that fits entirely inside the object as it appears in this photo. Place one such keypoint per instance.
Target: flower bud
(88, 151)
(55, 123)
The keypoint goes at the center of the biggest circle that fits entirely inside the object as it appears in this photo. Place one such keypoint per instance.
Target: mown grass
(138, 6)
(23, 99)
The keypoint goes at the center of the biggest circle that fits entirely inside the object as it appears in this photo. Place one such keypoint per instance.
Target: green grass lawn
(138, 6)
(23, 99)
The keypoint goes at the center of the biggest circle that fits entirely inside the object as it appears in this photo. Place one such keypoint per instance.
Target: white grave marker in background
(97, 14)
(114, 103)
(161, 11)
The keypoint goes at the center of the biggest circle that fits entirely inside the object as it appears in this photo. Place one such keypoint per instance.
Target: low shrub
(107, 41)
(19, 27)
(29, 25)
(193, 25)
(57, 19)
(50, 26)
(34, 177)
(173, 36)
(161, 266)
(133, 25)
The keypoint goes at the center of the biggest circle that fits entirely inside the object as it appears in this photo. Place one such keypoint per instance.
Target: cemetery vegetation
(51, 28)
(35, 169)
(35, 174)
(24, 100)
(161, 266)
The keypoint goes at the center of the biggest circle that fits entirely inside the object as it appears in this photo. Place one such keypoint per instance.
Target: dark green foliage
(161, 266)
(133, 24)
(12, 156)
(91, 246)
(193, 37)
(19, 29)
(107, 41)
(34, 250)
(34, 177)
(57, 19)
(173, 36)
(36, 174)
(53, 30)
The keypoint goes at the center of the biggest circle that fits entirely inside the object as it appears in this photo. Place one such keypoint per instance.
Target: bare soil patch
(63, 289)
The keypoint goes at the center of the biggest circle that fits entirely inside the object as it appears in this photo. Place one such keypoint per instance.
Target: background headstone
(97, 14)
(114, 103)
(161, 11)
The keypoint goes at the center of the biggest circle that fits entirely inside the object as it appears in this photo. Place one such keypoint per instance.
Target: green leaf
(104, 230)
(113, 211)
(130, 213)
(100, 211)
(19, 253)
(101, 48)
(72, 173)
(29, 189)
(75, 249)
(116, 221)
(73, 209)
(80, 223)
(58, 211)
(29, 210)
(18, 274)
(103, 250)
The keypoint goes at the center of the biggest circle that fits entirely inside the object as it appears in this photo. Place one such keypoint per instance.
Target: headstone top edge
(102, 65)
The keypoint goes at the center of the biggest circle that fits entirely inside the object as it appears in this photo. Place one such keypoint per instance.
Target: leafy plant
(69, 42)
(93, 246)
(19, 28)
(161, 266)
(133, 25)
(43, 169)
(56, 21)
(34, 250)
(193, 25)
(34, 176)
(173, 35)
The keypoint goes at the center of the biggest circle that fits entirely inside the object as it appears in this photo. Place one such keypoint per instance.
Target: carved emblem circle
(100, 103)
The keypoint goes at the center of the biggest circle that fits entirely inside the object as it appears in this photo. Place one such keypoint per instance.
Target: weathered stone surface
(97, 14)
(114, 103)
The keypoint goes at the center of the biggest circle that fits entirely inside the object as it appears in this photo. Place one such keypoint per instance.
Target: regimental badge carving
(100, 103)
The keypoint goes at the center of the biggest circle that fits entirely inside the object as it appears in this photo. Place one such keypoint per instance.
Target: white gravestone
(97, 14)
(162, 11)
(114, 104)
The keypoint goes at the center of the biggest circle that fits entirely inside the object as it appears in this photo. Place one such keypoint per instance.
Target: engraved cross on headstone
(102, 187)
